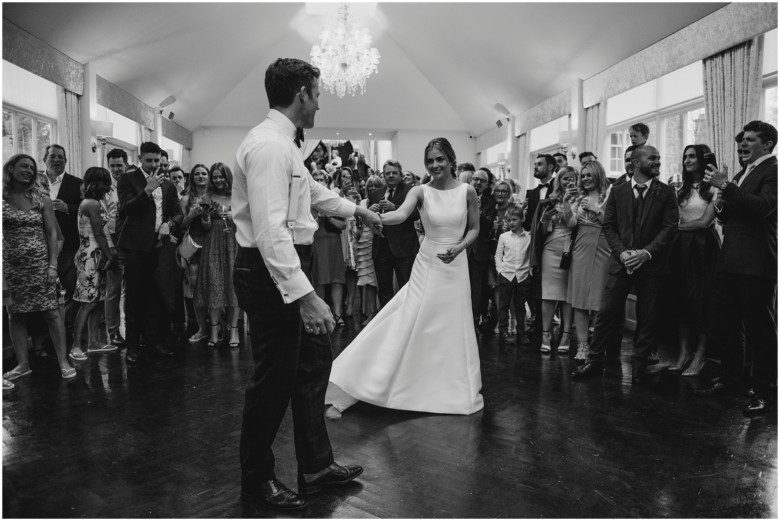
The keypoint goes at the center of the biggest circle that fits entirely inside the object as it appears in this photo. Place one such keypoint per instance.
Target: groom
(288, 323)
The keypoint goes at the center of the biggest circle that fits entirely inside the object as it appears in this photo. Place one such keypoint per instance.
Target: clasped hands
(634, 259)
(370, 216)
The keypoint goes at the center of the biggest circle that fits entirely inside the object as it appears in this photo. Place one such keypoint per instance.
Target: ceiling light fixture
(344, 56)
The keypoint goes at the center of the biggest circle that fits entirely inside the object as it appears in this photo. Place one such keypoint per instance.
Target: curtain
(732, 96)
(70, 135)
(186, 159)
(595, 128)
(308, 146)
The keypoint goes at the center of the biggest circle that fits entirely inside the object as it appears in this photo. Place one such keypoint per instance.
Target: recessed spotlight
(337, 133)
(370, 134)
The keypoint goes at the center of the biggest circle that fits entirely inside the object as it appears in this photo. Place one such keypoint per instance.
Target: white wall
(215, 144)
(409, 146)
(27, 91)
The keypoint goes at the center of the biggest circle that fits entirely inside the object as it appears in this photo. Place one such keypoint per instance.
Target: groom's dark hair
(285, 77)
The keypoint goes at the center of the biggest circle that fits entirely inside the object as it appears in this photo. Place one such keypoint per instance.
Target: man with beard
(640, 223)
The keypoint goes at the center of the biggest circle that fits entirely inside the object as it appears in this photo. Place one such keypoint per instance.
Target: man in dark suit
(148, 211)
(625, 178)
(479, 254)
(65, 193)
(396, 247)
(745, 282)
(640, 222)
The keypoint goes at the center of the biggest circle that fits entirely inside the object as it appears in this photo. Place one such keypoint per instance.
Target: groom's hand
(370, 217)
(316, 315)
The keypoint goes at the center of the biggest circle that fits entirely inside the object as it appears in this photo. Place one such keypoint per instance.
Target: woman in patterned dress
(92, 260)
(30, 262)
(349, 238)
(365, 262)
(214, 287)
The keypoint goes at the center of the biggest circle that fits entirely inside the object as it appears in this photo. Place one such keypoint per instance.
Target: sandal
(14, 374)
(561, 347)
(8, 385)
(213, 343)
(67, 374)
(105, 348)
(545, 347)
(79, 356)
(236, 343)
(198, 336)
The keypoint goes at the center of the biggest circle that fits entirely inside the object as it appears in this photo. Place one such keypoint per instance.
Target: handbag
(566, 257)
(186, 250)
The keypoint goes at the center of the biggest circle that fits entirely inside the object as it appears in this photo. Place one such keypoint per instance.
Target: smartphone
(709, 159)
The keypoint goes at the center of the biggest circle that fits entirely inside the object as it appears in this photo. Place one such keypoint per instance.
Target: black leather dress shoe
(641, 372)
(757, 406)
(132, 355)
(272, 494)
(116, 339)
(162, 350)
(335, 475)
(588, 370)
(716, 389)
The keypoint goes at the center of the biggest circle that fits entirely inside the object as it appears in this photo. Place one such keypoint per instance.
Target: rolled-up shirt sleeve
(268, 189)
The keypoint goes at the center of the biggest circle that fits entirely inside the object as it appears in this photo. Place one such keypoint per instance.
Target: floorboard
(161, 440)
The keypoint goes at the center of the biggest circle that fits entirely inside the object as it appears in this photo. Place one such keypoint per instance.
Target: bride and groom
(420, 351)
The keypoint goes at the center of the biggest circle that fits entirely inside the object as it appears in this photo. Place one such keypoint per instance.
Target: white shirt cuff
(295, 287)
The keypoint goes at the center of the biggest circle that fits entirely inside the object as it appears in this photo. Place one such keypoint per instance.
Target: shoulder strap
(292, 209)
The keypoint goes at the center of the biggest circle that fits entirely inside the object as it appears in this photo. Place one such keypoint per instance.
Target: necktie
(298, 136)
(639, 203)
(391, 194)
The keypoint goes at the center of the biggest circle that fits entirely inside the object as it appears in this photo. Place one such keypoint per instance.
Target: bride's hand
(449, 255)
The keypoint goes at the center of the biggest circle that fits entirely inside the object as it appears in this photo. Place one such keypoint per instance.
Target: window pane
(696, 128)
(44, 131)
(8, 135)
(770, 106)
(25, 132)
(671, 160)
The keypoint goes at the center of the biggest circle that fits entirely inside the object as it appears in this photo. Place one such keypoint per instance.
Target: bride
(420, 351)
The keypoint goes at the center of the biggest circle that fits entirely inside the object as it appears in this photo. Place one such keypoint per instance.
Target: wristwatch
(724, 184)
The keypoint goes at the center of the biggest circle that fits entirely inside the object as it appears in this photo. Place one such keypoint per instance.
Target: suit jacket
(70, 194)
(533, 196)
(402, 238)
(749, 221)
(480, 250)
(658, 225)
(137, 211)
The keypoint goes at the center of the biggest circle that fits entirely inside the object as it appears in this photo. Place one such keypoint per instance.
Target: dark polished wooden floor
(161, 440)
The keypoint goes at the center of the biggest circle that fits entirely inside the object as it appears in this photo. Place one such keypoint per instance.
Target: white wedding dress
(420, 351)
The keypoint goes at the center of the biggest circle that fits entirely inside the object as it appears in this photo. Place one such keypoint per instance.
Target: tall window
(25, 133)
(770, 104)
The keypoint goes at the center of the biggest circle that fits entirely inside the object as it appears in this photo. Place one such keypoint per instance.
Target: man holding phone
(149, 211)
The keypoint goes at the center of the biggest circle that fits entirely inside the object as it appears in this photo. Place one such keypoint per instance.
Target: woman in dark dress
(694, 252)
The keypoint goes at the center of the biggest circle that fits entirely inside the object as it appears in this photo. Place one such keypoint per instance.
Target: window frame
(37, 154)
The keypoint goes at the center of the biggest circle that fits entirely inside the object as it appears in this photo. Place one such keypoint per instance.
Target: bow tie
(544, 185)
(298, 136)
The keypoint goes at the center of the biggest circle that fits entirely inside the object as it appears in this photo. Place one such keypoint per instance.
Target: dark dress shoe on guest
(115, 339)
(653, 358)
(132, 355)
(334, 475)
(162, 350)
(717, 388)
(641, 372)
(272, 494)
(757, 406)
(588, 370)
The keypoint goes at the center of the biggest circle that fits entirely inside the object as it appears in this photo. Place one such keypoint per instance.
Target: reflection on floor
(161, 440)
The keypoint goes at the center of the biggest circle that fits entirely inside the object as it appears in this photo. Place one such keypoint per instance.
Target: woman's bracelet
(52, 267)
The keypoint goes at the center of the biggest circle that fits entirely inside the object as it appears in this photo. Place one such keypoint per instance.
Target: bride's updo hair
(442, 144)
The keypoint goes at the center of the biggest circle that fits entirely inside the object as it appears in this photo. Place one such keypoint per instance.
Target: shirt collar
(522, 232)
(287, 126)
(758, 161)
(634, 183)
(57, 179)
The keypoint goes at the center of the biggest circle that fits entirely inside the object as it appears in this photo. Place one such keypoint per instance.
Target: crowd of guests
(146, 240)
(568, 252)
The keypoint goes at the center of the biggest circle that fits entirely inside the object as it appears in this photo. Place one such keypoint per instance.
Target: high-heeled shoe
(237, 343)
(369, 318)
(683, 367)
(693, 371)
(546, 342)
(563, 348)
(212, 342)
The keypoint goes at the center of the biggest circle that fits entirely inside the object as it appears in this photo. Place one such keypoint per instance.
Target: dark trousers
(145, 313)
(66, 271)
(384, 265)
(512, 293)
(291, 367)
(478, 280)
(609, 320)
(750, 302)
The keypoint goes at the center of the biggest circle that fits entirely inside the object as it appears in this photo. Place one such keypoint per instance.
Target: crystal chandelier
(344, 56)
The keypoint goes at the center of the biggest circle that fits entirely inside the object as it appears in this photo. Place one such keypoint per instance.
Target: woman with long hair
(590, 251)
(347, 185)
(92, 259)
(694, 252)
(30, 262)
(214, 287)
(196, 222)
(555, 277)
(420, 351)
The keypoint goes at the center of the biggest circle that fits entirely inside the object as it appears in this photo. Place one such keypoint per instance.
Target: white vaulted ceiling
(444, 65)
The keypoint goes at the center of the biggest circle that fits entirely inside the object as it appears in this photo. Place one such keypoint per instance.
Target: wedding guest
(410, 178)
(502, 193)
(694, 253)
(197, 223)
(117, 165)
(465, 172)
(638, 134)
(513, 268)
(479, 253)
(555, 221)
(176, 175)
(30, 262)
(214, 285)
(335, 159)
(365, 263)
(590, 252)
(328, 269)
(349, 237)
(93, 258)
(745, 281)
